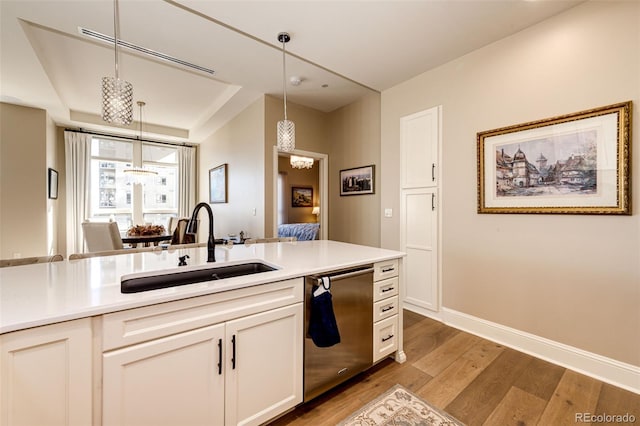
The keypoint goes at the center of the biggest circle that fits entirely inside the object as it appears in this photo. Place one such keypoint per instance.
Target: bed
(302, 231)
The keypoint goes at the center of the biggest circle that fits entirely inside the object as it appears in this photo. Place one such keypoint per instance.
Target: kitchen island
(70, 320)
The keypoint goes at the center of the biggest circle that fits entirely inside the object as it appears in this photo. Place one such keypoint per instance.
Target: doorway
(320, 197)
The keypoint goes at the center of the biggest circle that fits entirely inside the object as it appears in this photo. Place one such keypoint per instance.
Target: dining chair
(30, 260)
(178, 228)
(102, 236)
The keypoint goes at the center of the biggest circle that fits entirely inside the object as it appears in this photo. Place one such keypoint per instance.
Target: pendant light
(117, 94)
(286, 128)
(140, 174)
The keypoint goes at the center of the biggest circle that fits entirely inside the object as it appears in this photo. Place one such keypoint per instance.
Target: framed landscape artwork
(301, 197)
(357, 181)
(218, 184)
(577, 164)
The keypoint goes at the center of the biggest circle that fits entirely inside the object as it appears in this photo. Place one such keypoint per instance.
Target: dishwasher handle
(346, 275)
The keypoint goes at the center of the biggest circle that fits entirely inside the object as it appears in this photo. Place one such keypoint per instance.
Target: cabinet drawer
(385, 337)
(385, 288)
(385, 308)
(125, 328)
(384, 270)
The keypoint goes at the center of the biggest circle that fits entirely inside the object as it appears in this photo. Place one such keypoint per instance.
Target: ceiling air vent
(122, 43)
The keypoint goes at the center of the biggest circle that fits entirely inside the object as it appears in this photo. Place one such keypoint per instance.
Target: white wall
(574, 279)
(240, 144)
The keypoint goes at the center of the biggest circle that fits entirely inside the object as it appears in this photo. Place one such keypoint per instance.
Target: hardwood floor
(475, 380)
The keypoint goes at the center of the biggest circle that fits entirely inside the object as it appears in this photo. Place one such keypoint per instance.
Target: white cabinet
(385, 309)
(231, 359)
(264, 377)
(420, 141)
(46, 375)
(168, 381)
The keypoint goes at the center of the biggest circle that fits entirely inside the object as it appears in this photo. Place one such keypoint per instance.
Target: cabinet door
(264, 365)
(419, 241)
(419, 140)
(45, 375)
(176, 380)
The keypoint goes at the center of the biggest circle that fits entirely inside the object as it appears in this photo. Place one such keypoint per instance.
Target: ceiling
(339, 49)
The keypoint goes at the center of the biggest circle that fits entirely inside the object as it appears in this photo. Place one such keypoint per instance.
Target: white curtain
(186, 180)
(78, 163)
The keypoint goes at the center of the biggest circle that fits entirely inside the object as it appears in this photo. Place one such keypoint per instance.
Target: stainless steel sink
(173, 279)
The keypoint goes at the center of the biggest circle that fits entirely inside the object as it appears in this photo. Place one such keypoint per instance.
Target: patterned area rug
(398, 406)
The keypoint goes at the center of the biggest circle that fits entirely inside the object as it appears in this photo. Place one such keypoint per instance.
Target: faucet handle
(182, 260)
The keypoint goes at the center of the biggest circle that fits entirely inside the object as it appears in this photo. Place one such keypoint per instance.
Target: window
(117, 196)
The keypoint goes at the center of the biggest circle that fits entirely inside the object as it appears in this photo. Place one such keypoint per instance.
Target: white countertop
(40, 294)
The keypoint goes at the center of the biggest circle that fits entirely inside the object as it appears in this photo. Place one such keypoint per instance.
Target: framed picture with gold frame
(574, 164)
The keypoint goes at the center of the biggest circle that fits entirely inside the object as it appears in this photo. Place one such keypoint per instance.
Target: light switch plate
(388, 212)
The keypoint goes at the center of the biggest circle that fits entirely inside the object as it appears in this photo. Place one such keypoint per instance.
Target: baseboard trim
(608, 370)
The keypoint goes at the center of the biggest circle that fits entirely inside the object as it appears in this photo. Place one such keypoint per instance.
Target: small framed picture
(357, 181)
(301, 197)
(218, 184)
(53, 184)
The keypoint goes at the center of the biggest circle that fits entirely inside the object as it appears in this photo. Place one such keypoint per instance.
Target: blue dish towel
(323, 328)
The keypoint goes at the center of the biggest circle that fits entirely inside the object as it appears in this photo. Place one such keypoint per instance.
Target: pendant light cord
(116, 32)
(284, 76)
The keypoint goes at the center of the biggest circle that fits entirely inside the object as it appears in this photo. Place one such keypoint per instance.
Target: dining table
(145, 240)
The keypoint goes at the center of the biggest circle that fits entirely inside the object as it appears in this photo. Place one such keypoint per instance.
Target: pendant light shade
(286, 128)
(117, 101)
(286, 135)
(117, 94)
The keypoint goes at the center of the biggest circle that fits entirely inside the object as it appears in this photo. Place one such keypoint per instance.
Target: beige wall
(305, 178)
(311, 135)
(354, 132)
(240, 144)
(574, 279)
(23, 182)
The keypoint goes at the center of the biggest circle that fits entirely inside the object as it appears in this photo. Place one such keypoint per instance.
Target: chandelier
(139, 174)
(298, 162)
(286, 128)
(117, 94)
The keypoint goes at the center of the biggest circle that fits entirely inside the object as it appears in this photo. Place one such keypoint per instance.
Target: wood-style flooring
(477, 381)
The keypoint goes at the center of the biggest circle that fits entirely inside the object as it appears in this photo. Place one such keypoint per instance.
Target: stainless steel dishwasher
(352, 297)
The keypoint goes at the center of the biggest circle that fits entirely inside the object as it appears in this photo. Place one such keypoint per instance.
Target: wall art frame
(358, 180)
(301, 196)
(218, 184)
(52, 187)
(578, 163)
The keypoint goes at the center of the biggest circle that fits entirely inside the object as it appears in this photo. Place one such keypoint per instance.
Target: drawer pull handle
(389, 269)
(219, 356)
(384, 339)
(388, 308)
(384, 290)
(233, 352)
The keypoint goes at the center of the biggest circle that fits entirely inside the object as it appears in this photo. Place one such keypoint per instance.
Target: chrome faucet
(192, 228)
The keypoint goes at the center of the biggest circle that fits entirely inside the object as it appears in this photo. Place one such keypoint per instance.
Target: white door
(176, 380)
(264, 365)
(420, 141)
